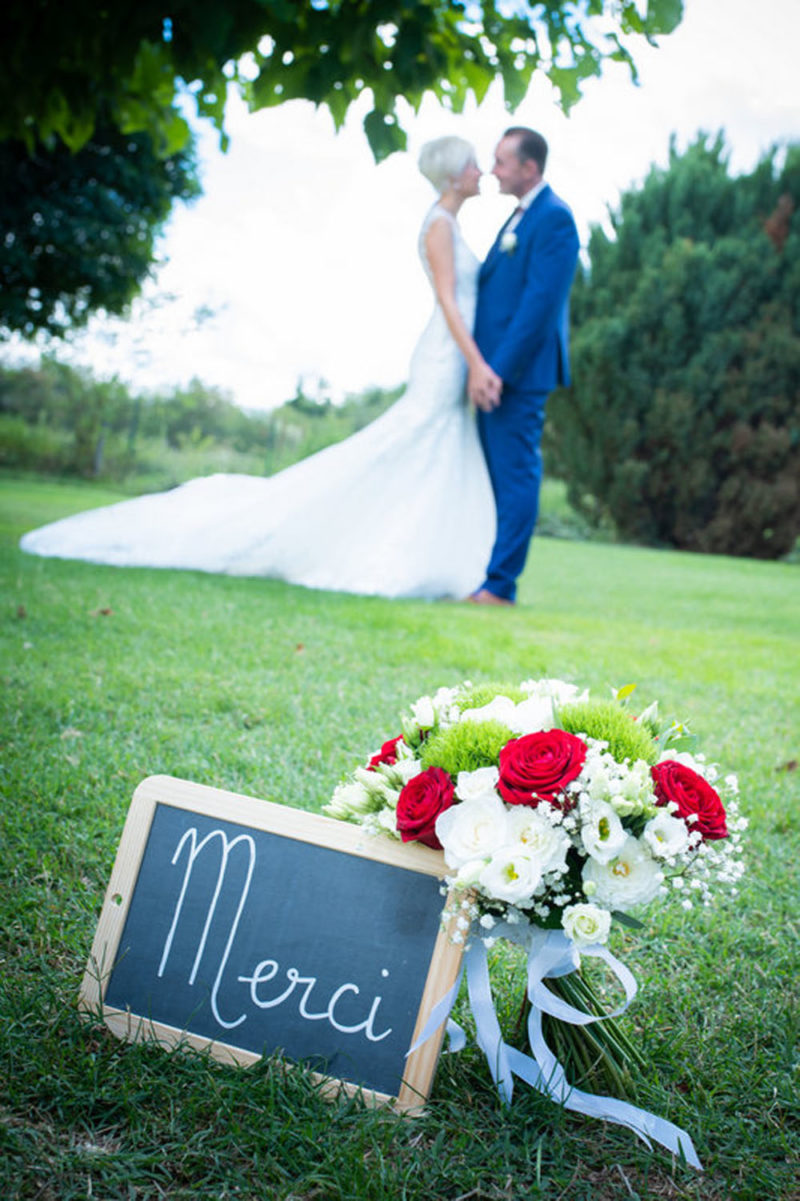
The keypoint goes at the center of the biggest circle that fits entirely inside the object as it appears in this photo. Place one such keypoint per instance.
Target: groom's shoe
(484, 597)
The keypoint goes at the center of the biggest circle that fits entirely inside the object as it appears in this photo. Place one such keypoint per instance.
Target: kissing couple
(438, 497)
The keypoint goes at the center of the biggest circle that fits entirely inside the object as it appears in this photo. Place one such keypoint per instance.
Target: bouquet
(557, 814)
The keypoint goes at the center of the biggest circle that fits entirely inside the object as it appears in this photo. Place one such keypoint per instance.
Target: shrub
(32, 447)
(683, 422)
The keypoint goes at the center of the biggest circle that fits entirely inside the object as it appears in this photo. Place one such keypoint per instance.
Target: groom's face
(515, 175)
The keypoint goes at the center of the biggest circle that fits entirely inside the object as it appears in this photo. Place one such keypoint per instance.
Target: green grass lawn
(111, 675)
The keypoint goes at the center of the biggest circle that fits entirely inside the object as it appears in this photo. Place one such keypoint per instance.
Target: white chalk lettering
(258, 977)
(374, 1038)
(310, 981)
(366, 1025)
(267, 969)
(227, 845)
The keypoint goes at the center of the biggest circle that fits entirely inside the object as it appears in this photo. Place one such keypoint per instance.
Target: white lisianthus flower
(650, 714)
(508, 242)
(695, 762)
(666, 835)
(386, 821)
(586, 924)
(445, 707)
(512, 874)
(349, 800)
(500, 708)
(557, 690)
(402, 771)
(547, 842)
(478, 784)
(374, 782)
(472, 830)
(602, 833)
(532, 715)
(424, 713)
(421, 719)
(631, 878)
(528, 717)
(468, 874)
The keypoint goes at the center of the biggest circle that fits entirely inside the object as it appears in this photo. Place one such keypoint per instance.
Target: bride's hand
(484, 387)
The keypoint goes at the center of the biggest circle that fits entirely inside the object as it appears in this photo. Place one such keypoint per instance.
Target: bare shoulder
(439, 232)
(440, 220)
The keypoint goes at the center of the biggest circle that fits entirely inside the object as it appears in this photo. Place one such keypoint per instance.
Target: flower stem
(601, 1054)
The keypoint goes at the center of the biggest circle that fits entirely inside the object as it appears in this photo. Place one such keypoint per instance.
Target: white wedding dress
(404, 507)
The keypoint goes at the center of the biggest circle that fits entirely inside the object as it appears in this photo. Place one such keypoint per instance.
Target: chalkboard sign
(251, 928)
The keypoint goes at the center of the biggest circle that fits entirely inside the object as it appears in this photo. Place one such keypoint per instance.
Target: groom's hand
(484, 387)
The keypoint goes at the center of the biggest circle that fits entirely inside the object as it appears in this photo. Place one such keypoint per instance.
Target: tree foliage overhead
(683, 422)
(78, 230)
(134, 56)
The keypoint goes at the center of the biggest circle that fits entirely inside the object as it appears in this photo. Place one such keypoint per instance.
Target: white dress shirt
(524, 204)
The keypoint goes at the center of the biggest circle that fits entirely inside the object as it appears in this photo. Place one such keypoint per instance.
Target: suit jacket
(522, 317)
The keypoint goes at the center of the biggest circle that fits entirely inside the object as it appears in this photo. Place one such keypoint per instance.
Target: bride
(402, 508)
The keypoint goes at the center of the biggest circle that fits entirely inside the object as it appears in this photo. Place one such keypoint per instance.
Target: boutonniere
(508, 242)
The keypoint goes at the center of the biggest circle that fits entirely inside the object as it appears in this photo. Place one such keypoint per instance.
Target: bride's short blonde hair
(442, 160)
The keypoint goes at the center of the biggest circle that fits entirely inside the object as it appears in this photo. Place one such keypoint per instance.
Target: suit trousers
(511, 436)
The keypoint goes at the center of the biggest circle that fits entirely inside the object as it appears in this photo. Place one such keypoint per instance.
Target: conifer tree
(682, 425)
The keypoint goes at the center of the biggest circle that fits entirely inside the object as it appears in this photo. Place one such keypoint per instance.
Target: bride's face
(468, 183)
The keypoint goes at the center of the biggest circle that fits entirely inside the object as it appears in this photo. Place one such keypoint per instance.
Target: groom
(521, 328)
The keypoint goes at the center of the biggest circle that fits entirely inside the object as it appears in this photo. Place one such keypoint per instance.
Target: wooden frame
(283, 821)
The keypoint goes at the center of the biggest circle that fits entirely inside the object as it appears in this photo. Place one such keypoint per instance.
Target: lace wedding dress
(404, 507)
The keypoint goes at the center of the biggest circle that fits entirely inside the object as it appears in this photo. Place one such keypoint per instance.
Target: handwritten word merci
(298, 986)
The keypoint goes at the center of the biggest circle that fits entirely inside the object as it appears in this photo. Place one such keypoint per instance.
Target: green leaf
(384, 135)
(516, 82)
(338, 103)
(631, 19)
(264, 91)
(153, 73)
(625, 919)
(477, 77)
(664, 16)
(75, 127)
(175, 133)
(677, 738)
(565, 81)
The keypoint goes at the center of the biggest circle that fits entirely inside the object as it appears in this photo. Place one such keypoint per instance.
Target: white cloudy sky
(305, 250)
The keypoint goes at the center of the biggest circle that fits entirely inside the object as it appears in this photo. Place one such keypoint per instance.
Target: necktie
(515, 218)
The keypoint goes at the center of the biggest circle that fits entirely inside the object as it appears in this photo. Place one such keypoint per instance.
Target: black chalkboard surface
(252, 928)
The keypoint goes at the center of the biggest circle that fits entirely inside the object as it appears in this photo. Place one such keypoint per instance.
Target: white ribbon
(550, 954)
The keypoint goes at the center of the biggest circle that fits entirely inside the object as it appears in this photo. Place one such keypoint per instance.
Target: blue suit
(521, 328)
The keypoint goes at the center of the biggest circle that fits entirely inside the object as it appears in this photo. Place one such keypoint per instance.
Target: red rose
(387, 753)
(420, 803)
(692, 794)
(538, 767)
